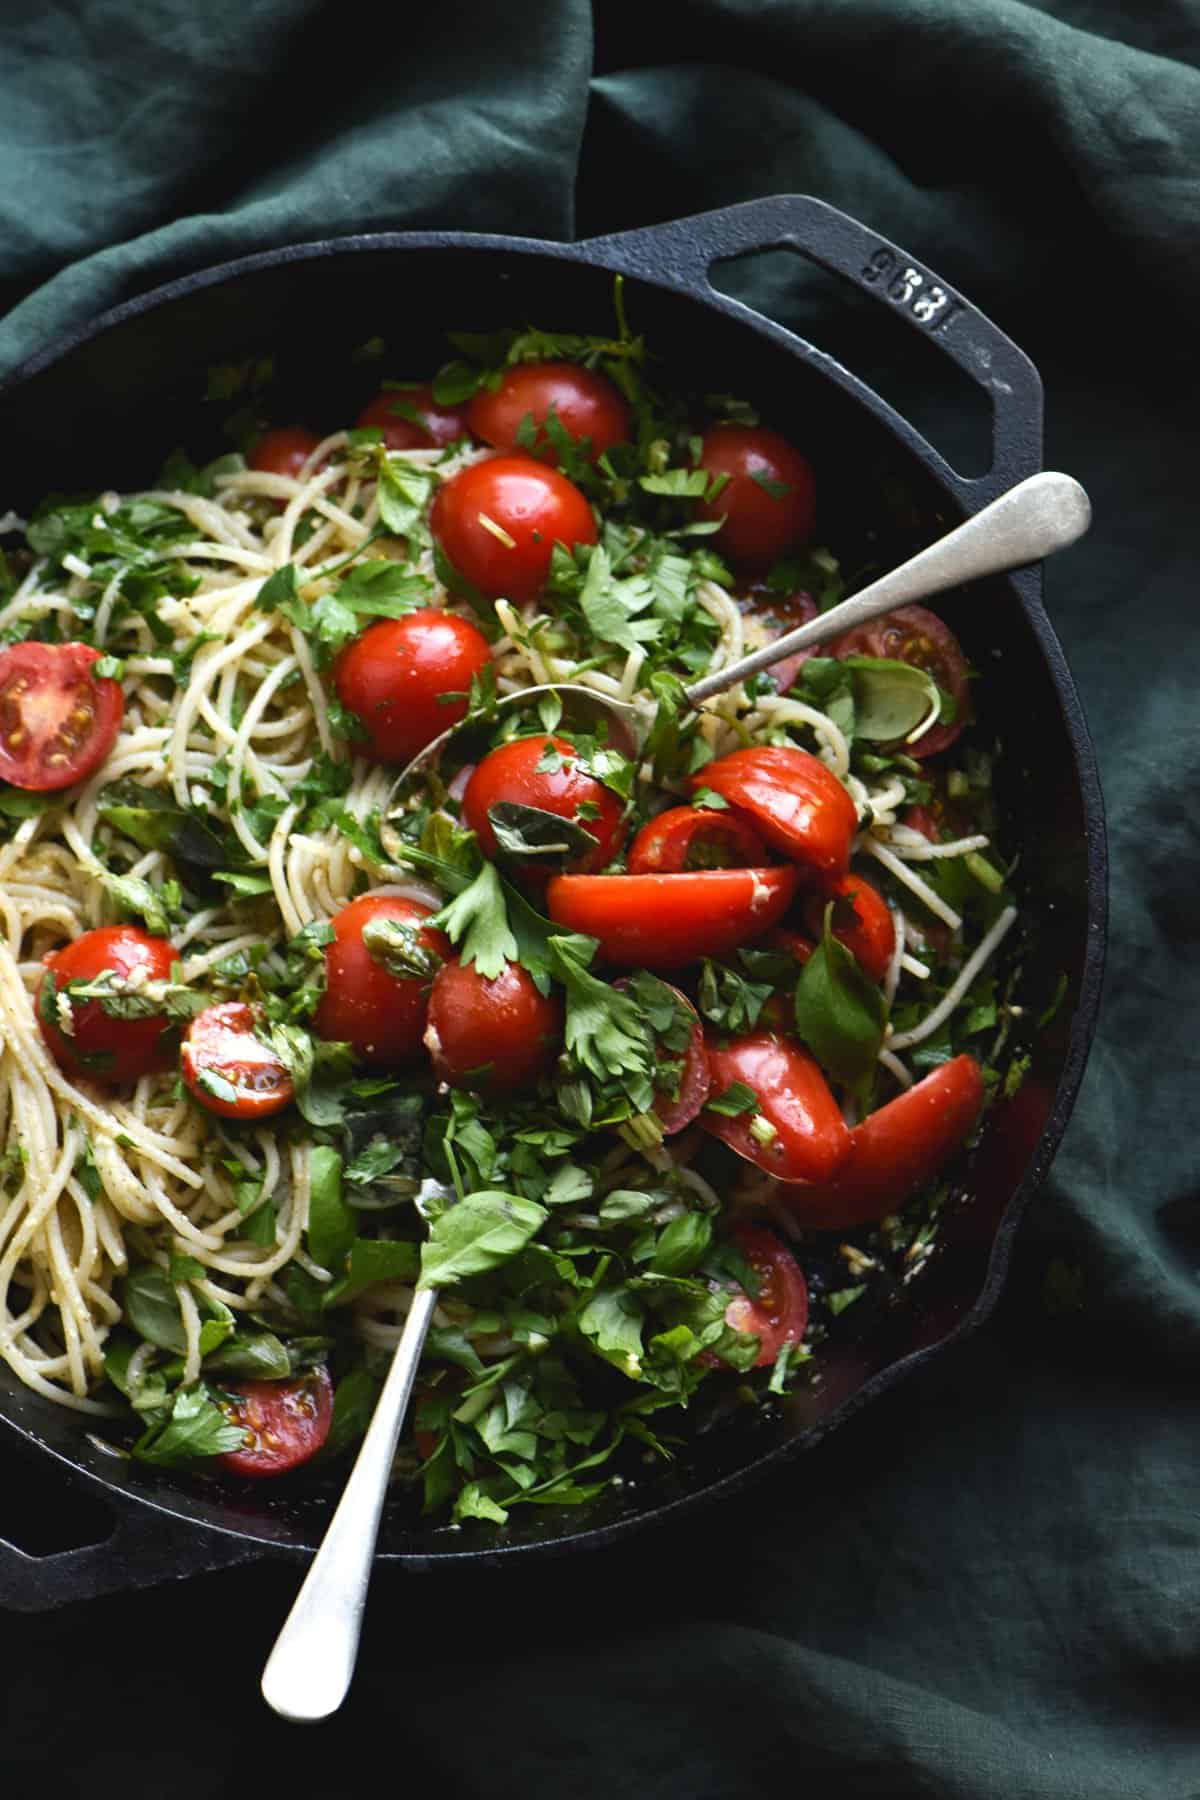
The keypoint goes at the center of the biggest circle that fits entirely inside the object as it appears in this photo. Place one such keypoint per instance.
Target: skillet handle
(146, 1548)
(681, 254)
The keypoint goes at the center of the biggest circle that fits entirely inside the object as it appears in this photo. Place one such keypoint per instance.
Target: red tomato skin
(695, 837)
(492, 1036)
(137, 1046)
(921, 818)
(895, 1150)
(44, 745)
(783, 613)
(381, 1016)
(792, 800)
(913, 634)
(222, 1039)
(587, 404)
(283, 451)
(442, 424)
(290, 1421)
(533, 504)
(759, 527)
(695, 1082)
(510, 773)
(667, 921)
(812, 1139)
(779, 1315)
(393, 676)
(869, 934)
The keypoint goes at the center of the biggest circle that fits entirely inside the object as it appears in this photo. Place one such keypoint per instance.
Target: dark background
(988, 1584)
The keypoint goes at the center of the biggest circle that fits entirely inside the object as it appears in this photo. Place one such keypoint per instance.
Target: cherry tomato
(694, 837)
(588, 406)
(794, 943)
(395, 676)
(98, 1046)
(498, 522)
(676, 1111)
(769, 502)
(380, 1015)
(287, 1421)
(895, 1150)
(492, 1035)
(440, 425)
(778, 1315)
(58, 721)
(665, 921)
(228, 1069)
(283, 451)
(779, 614)
(915, 635)
(510, 774)
(792, 800)
(862, 921)
(798, 1133)
(922, 819)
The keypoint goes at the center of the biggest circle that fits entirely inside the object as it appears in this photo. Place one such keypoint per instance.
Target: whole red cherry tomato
(895, 1150)
(915, 635)
(499, 520)
(229, 1069)
(283, 451)
(58, 721)
(779, 614)
(491, 1035)
(510, 775)
(797, 1133)
(391, 412)
(286, 1422)
(792, 800)
(379, 1014)
(586, 404)
(695, 837)
(778, 1314)
(862, 920)
(666, 921)
(396, 678)
(99, 1046)
(769, 502)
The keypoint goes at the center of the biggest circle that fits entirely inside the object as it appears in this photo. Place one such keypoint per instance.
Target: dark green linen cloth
(987, 1586)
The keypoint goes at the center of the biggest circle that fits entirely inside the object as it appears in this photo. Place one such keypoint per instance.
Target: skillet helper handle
(146, 1549)
(682, 253)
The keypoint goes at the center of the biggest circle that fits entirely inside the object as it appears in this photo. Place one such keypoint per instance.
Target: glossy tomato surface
(587, 405)
(396, 679)
(286, 1422)
(382, 1016)
(792, 800)
(695, 837)
(513, 775)
(667, 921)
(392, 410)
(778, 614)
(862, 920)
(915, 635)
(496, 1035)
(803, 1137)
(499, 520)
(768, 503)
(58, 719)
(778, 1313)
(229, 1069)
(283, 451)
(98, 1046)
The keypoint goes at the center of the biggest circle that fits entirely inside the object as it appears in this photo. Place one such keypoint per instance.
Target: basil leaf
(481, 1232)
(246, 885)
(152, 1308)
(397, 946)
(682, 1245)
(354, 1401)
(330, 1220)
(531, 831)
(612, 1319)
(737, 1099)
(373, 1260)
(892, 699)
(256, 1353)
(840, 1012)
(150, 818)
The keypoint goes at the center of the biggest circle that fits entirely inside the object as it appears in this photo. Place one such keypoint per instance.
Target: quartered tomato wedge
(778, 1313)
(493, 1035)
(666, 921)
(99, 1046)
(797, 1132)
(586, 404)
(411, 419)
(913, 634)
(286, 1422)
(695, 837)
(895, 1150)
(230, 1070)
(58, 720)
(792, 800)
(862, 920)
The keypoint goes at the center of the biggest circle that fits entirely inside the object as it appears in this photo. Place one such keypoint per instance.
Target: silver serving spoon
(309, 1671)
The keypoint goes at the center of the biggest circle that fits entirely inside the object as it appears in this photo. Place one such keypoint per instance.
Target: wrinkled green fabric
(989, 1584)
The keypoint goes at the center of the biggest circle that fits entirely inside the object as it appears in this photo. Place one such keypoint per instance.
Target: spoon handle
(1039, 516)
(310, 1669)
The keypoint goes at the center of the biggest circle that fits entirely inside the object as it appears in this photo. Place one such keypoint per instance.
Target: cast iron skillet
(103, 407)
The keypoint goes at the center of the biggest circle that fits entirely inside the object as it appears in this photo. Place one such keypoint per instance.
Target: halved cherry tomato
(778, 1315)
(491, 1035)
(695, 837)
(380, 1015)
(58, 721)
(781, 613)
(862, 920)
(915, 635)
(228, 1069)
(286, 1421)
(792, 800)
(283, 451)
(676, 1111)
(895, 1150)
(769, 502)
(798, 1133)
(99, 1046)
(439, 425)
(396, 677)
(587, 405)
(666, 921)
(498, 522)
(510, 775)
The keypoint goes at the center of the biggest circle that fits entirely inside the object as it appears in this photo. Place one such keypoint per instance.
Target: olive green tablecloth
(987, 1585)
